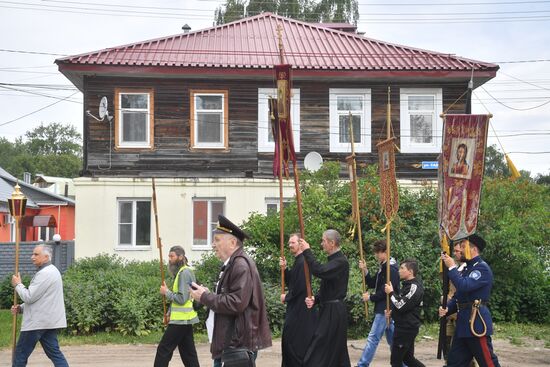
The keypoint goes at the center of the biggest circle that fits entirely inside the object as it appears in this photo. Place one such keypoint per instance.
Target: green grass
(517, 334)
(95, 339)
(6, 327)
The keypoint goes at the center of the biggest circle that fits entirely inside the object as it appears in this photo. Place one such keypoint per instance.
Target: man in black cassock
(300, 321)
(329, 345)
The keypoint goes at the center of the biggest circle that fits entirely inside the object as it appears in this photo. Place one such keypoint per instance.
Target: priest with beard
(300, 322)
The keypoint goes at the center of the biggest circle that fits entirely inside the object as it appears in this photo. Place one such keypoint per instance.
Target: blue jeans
(48, 338)
(376, 331)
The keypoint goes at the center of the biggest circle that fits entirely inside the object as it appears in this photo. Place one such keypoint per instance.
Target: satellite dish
(103, 112)
(103, 108)
(313, 161)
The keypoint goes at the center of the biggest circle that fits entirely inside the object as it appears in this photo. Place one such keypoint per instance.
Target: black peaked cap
(226, 226)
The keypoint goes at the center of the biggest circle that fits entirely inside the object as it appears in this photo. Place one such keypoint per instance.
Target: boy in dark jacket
(377, 281)
(405, 311)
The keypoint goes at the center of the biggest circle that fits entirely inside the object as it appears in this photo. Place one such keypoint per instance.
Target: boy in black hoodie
(405, 311)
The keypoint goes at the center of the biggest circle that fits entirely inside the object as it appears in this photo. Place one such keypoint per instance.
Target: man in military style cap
(474, 325)
(238, 300)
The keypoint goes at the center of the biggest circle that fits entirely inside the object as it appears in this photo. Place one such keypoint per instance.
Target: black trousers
(180, 336)
(402, 350)
(464, 349)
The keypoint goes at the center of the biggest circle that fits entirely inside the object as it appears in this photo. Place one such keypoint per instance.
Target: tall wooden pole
(388, 225)
(296, 177)
(302, 230)
(281, 205)
(17, 205)
(355, 197)
(159, 245)
(14, 317)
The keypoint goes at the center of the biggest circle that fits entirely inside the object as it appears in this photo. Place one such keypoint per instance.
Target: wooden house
(191, 110)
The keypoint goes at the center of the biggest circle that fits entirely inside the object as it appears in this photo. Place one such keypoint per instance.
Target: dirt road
(534, 355)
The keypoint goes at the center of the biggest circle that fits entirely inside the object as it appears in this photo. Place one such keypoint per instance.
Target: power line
(406, 14)
(40, 109)
(30, 52)
(145, 14)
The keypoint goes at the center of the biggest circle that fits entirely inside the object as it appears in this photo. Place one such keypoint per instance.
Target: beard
(173, 268)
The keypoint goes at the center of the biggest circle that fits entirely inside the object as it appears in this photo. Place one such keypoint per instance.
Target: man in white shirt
(43, 310)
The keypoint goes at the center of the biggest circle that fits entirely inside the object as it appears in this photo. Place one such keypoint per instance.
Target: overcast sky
(511, 33)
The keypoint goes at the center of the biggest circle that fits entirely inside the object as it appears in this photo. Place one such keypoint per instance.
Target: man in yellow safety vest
(179, 332)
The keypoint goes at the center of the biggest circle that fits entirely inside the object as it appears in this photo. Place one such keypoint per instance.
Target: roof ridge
(364, 47)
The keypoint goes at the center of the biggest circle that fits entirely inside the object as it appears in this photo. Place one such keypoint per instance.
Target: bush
(104, 293)
(514, 219)
(6, 291)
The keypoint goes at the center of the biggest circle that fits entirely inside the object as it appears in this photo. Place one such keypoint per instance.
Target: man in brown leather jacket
(238, 295)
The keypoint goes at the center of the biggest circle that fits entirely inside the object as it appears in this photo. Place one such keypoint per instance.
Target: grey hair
(47, 250)
(333, 235)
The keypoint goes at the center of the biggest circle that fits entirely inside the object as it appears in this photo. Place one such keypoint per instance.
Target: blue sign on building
(430, 165)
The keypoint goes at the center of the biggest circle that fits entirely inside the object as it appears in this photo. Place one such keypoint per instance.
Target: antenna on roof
(103, 112)
(186, 28)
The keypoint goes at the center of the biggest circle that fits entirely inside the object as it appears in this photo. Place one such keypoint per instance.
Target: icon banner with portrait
(461, 169)
(389, 195)
(280, 120)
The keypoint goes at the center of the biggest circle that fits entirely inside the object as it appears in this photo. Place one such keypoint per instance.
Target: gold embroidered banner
(389, 195)
(461, 165)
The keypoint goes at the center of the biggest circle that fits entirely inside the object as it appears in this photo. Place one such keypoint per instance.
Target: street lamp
(17, 204)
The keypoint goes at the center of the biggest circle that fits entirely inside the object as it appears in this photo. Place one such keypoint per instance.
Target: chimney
(27, 177)
(186, 28)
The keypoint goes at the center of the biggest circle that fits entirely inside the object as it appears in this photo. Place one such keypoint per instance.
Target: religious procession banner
(389, 195)
(462, 165)
(280, 118)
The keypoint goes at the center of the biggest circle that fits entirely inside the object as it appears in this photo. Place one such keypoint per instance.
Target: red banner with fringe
(462, 165)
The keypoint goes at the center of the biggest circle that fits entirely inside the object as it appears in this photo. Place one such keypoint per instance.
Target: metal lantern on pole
(17, 204)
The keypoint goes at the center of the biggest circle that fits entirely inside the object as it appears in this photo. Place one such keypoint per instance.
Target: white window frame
(366, 120)
(407, 146)
(264, 125)
(132, 246)
(276, 201)
(222, 144)
(120, 113)
(209, 201)
(48, 231)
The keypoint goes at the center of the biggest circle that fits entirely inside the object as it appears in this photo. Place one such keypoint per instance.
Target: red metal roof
(252, 43)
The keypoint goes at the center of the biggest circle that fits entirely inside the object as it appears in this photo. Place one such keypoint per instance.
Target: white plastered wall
(96, 210)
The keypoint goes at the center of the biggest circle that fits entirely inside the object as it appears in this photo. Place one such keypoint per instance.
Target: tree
(496, 166)
(53, 150)
(543, 179)
(513, 219)
(54, 138)
(307, 10)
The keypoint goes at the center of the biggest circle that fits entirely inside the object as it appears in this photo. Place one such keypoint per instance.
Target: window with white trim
(272, 205)
(205, 220)
(342, 102)
(420, 124)
(134, 118)
(266, 142)
(209, 119)
(45, 233)
(134, 223)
